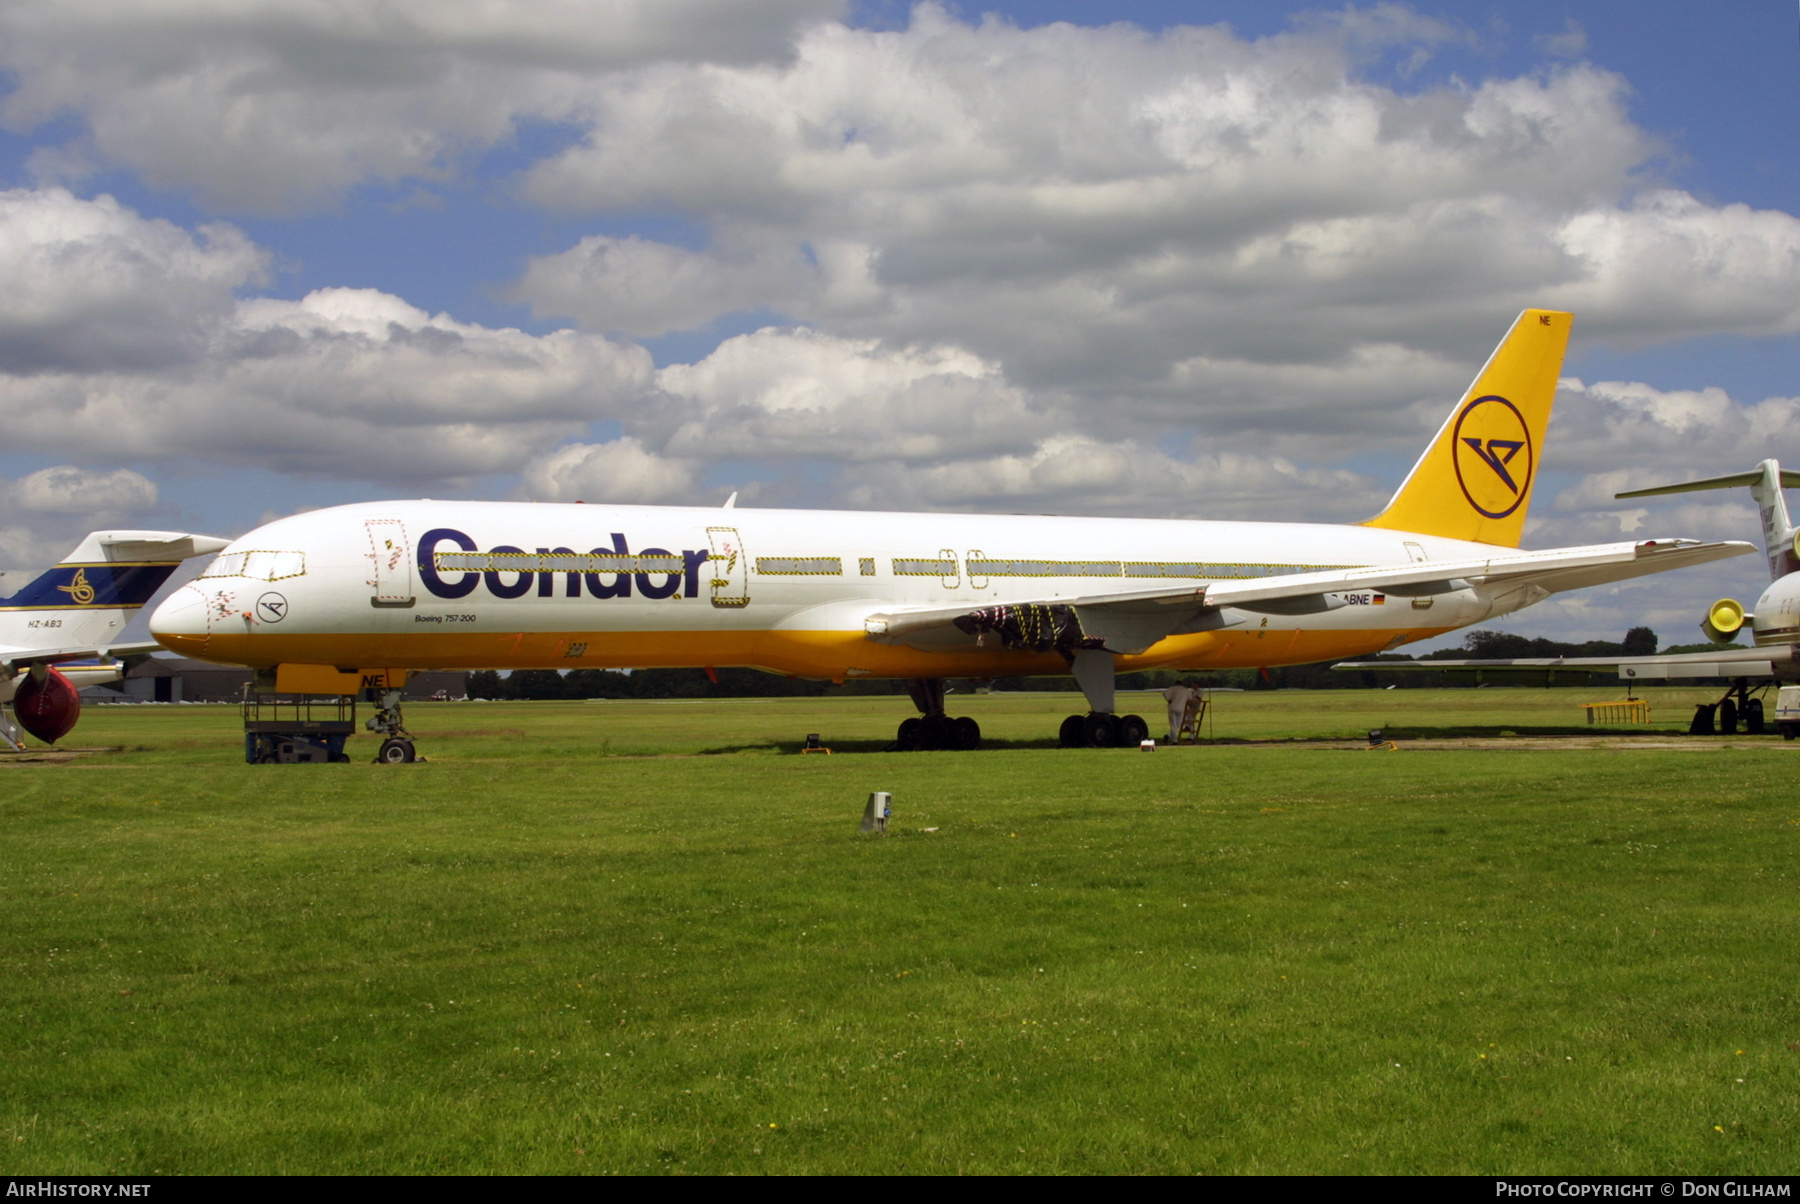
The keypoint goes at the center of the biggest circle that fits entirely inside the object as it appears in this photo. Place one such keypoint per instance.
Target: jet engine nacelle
(1724, 619)
(46, 706)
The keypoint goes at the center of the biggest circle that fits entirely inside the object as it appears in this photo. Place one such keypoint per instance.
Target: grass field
(647, 937)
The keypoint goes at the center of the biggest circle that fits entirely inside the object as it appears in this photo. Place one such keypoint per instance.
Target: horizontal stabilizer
(140, 546)
(1735, 481)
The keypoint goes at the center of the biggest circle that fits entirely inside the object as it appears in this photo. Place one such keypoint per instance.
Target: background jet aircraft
(75, 613)
(355, 597)
(1775, 623)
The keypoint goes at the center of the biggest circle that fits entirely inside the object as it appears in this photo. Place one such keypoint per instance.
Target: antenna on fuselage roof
(730, 502)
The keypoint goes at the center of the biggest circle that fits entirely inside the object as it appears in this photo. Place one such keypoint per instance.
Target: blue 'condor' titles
(516, 583)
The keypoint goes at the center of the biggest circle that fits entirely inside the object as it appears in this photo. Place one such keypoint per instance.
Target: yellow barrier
(1632, 710)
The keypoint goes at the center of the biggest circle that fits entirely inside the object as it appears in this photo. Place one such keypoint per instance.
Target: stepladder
(1191, 718)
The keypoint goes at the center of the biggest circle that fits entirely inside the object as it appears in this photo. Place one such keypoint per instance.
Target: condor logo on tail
(1493, 455)
(1487, 448)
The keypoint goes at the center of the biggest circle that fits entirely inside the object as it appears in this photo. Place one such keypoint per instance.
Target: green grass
(576, 942)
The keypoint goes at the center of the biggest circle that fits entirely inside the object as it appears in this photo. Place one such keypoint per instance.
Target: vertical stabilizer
(1766, 482)
(1778, 530)
(87, 599)
(1474, 481)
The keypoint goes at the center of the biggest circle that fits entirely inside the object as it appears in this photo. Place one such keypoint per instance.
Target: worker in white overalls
(1177, 696)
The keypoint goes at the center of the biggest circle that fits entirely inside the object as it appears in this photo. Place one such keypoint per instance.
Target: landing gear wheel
(1070, 735)
(1789, 730)
(396, 752)
(1728, 718)
(935, 734)
(1753, 717)
(1100, 731)
(965, 734)
(907, 740)
(1133, 731)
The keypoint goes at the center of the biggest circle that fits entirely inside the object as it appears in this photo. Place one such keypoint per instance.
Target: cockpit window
(258, 566)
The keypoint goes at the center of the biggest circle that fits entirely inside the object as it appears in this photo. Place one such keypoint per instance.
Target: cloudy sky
(1204, 259)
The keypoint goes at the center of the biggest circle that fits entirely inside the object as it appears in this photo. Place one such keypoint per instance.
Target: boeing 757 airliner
(355, 597)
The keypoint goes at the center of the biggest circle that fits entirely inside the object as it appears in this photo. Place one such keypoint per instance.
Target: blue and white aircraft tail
(77, 612)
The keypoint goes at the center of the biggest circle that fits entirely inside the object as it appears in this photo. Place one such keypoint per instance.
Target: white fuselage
(784, 590)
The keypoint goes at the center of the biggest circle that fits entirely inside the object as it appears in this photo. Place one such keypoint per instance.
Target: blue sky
(1233, 261)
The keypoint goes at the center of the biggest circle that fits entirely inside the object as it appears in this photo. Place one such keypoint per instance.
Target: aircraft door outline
(729, 567)
(392, 555)
(976, 554)
(953, 577)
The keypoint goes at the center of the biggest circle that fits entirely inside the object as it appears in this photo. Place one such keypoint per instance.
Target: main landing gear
(397, 748)
(932, 730)
(1100, 728)
(1724, 715)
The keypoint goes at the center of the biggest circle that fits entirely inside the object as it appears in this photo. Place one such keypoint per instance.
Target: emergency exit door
(729, 567)
(392, 556)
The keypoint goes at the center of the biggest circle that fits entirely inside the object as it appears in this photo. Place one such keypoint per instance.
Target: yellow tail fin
(1474, 481)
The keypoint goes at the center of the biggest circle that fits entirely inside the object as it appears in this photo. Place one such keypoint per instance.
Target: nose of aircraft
(179, 624)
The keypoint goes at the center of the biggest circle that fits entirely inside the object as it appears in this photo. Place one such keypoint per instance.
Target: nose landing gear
(397, 748)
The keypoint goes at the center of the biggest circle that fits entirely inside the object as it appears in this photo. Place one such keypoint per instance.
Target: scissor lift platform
(293, 729)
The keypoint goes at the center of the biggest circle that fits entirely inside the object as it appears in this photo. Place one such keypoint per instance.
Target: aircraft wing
(1780, 660)
(14, 659)
(1131, 621)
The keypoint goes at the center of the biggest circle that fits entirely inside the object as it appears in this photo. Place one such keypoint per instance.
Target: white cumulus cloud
(67, 489)
(620, 470)
(91, 284)
(125, 340)
(278, 105)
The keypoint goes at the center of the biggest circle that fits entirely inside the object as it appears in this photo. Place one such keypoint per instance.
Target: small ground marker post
(875, 815)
